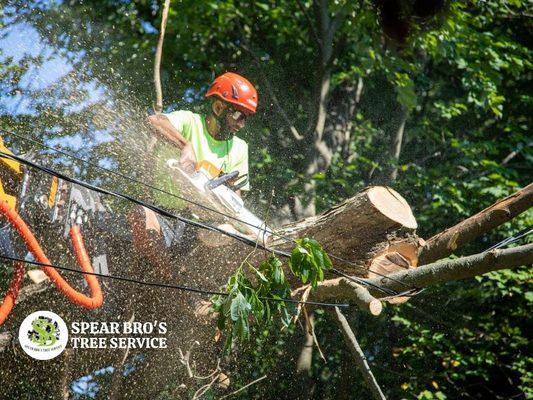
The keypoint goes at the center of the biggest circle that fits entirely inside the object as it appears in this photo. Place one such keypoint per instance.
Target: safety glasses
(238, 115)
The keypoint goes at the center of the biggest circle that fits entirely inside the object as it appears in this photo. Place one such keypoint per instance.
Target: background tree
(351, 93)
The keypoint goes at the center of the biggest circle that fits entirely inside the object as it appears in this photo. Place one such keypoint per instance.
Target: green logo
(45, 333)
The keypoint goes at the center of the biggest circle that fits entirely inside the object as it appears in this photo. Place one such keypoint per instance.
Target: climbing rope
(96, 299)
(198, 224)
(207, 208)
(165, 285)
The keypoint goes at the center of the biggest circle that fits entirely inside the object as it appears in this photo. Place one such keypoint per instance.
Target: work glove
(188, 159)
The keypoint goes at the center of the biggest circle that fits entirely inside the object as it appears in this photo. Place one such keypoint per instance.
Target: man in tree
(211, 138)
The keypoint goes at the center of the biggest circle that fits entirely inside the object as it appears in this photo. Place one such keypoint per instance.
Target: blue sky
(21, 40)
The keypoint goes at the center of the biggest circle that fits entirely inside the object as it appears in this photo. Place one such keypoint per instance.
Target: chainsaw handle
(241, 184)
(215, 182)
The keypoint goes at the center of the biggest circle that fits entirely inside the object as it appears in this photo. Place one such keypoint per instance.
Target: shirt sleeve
(181, 120)
(242, 166)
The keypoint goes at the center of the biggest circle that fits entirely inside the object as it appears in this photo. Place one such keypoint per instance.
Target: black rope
(133, 180)
(361, 281)
(173, 216)
(523, 233)
(166, 285)
(141, 203)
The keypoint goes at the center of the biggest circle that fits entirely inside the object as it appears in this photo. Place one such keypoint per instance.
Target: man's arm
(164, 129)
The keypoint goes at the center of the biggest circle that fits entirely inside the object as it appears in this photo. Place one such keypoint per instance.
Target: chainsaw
(221, 188)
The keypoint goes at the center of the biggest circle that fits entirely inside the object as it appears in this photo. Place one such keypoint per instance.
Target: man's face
(231, 121)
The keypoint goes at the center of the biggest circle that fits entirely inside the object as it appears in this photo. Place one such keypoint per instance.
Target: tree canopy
(432, 100)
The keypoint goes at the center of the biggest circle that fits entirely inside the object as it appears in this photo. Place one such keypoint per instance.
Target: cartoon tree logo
(45, 332)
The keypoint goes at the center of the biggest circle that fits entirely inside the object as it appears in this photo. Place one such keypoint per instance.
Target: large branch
(341, 289)
(444, 244)
(359, 356)
(461, 268)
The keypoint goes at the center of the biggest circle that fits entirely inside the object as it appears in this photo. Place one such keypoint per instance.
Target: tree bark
(305, 359)
(445, 243)
(342, 289)
(461, 268)
(396, 145)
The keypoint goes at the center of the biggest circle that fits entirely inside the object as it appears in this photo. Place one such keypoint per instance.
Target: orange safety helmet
(235, 89)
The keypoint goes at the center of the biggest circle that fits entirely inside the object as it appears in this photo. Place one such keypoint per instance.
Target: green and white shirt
(227, 155)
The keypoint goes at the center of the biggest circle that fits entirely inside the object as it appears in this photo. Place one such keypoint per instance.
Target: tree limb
(461, 268)
(359, 356)
(342, 288)
(157, 64)
(445, 243)
(306, 353)
(273, 96)
(436, 273)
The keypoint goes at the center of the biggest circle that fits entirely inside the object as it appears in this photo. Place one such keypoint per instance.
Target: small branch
(311, 328)
(306, 354)
(272, 95)
(364, 299)
(445, 243)
(461, 268)
(157, 64)
(309, 21)
(244, 387)
(359, 356)
(342, 288)
(203, 389)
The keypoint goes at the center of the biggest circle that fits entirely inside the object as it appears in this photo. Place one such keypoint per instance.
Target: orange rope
(12, 293)
(96, 300)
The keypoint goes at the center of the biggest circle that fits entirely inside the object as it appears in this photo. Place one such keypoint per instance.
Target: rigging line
(512, 239)
(160, 211)
(133, 180)
(361, 281)
(166, 285)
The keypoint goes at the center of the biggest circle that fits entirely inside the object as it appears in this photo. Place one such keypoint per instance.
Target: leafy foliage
(247, 302)
(309, 261)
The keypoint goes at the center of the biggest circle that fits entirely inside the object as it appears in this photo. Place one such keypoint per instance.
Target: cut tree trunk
(372, 231)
